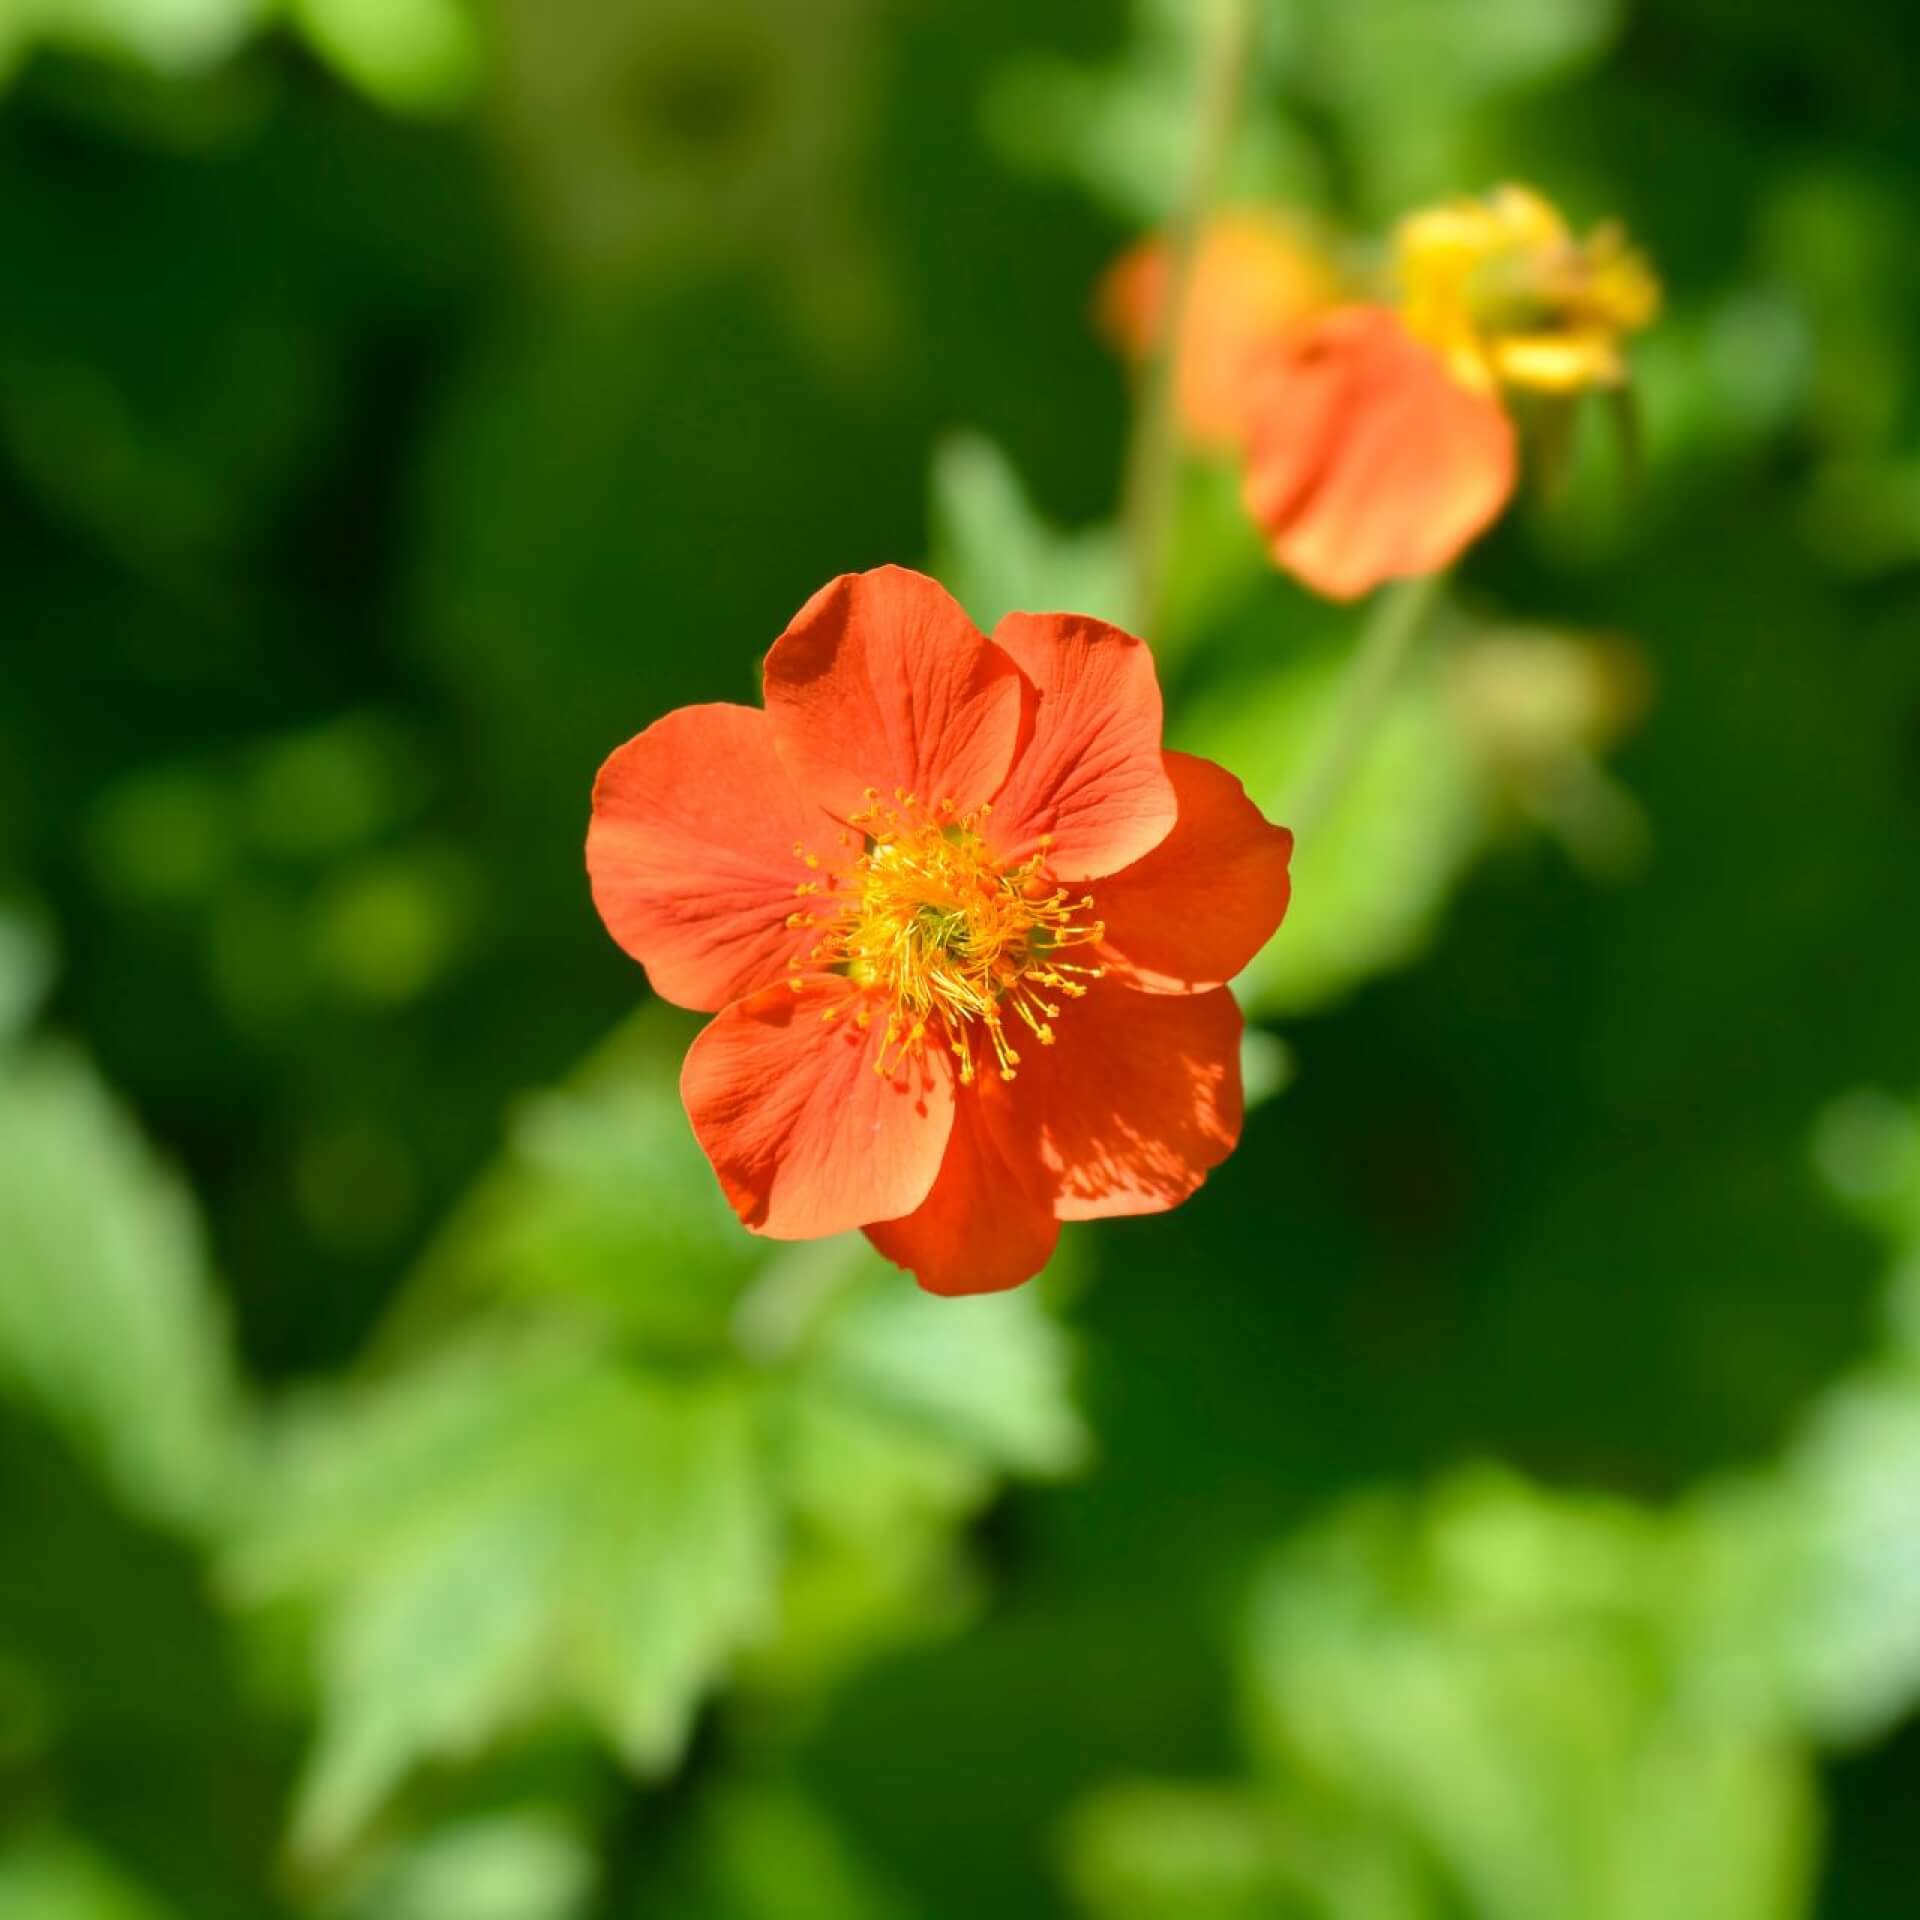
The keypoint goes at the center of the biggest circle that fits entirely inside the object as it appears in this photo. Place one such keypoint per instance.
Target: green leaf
(109, 1323)
(524, 1523)
(418, 55)
(998, 556)
(1500, 1676)
(1370, 884)
(1851, 1638)
(622, 1450)
(988, 1376)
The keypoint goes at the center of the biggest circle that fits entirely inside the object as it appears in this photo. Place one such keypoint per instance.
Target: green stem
(1153, 455)
(1398, 618)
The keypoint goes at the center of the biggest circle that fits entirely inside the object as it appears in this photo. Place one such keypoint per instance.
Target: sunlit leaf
(521, 1524)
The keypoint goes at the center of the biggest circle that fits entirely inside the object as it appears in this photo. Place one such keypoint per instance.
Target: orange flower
(1366, 460)
(1377, 443)
(1254, 275)
(963, 923)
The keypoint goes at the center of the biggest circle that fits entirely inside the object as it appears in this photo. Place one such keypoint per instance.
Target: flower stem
(1398, 618)
(1153, 452)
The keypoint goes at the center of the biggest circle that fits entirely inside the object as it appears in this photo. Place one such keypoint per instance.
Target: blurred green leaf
(997, 556)
(1404, 78)
(49, 1876)
(603, 1196)
(171, 36)
(109, 1324)
(1370, 884)
(409, 54)
(524, 1863)
(1479, 1703)
(761, 1852)
(521, 1524)
(1867, 1146)
(1496, 1674)
(1842, 1604)
(987, 1376)
(1809, 1588)
(620, 1445)
(26, 970)
(1124, 132)
(1151, 1850)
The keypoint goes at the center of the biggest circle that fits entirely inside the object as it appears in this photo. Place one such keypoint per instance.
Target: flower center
(962, 949)
(1511, 297)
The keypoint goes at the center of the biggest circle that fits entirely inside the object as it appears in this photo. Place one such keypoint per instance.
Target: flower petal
(883, 682)
(1366, 459)
(1208, 897)
(691, 854)
(1089, 771)
(1135, 1101)
(1254, 273)
(986, 1225)
(806, 1138)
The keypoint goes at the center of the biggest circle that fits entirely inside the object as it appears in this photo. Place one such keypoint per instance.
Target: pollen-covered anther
(953, 943)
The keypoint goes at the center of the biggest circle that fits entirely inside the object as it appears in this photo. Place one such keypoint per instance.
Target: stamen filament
(934, 926)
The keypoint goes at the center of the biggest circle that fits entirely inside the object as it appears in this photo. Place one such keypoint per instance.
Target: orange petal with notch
(1088, 779)
(883, 682)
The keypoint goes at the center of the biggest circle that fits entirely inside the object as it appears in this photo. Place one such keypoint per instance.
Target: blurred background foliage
(1498, 1494)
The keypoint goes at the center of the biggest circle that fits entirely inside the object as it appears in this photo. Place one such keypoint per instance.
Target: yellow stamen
(1502, 288)
(953, 942)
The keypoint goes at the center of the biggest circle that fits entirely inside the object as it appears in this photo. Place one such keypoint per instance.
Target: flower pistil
(955, 943)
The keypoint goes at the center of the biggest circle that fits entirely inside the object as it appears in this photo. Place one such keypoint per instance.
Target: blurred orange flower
(1378, 445)
(1255, 274)
(1365, 459)
(964, 925)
